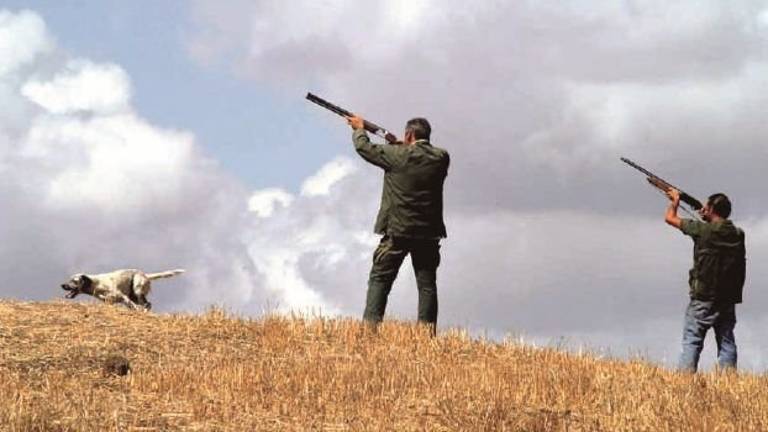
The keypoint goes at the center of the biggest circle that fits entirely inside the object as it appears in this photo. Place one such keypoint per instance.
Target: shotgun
(664, 185)
(369, 126)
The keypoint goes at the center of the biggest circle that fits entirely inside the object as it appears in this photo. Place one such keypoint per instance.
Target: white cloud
(118, 162)
(22, 39)
(304, 249)
(331, 173)
(264, 202)
(82, 86)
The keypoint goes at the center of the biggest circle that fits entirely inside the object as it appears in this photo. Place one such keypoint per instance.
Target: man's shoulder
(702, 230)
(729, 225)
(439, 151)
(728, 228)
(694, 228)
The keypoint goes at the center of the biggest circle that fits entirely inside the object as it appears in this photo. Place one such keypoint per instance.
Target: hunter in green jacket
(410, 217)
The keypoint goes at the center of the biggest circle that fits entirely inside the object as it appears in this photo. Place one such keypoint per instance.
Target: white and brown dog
(129, 287)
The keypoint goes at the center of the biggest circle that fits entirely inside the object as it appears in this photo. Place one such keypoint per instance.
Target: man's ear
(705, 213)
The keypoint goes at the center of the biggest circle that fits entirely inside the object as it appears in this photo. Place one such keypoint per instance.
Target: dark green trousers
(389, 255)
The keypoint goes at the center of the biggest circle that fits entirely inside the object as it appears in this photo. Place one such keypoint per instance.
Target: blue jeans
(699, 317)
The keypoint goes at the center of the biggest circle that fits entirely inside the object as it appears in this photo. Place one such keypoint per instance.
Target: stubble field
(214, 372)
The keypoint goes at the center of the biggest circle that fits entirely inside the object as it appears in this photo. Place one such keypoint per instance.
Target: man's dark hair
(720, 204)
(420, 128)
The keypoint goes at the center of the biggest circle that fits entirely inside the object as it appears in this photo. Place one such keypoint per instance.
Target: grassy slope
(213, 372)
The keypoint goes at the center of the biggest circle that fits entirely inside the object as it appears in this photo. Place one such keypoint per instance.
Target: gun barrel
(327, 105)
(369, 126)
(638, 167)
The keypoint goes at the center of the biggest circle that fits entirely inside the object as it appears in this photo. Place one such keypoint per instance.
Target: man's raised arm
(383, 156)
(671, 216)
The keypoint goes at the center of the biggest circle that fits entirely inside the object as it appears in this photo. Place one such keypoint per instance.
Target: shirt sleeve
(692, 228)
(385, 156)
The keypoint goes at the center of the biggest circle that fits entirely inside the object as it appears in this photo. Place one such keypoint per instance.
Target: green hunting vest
(719, 261)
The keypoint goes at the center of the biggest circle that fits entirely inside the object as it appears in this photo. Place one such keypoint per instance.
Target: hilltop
(216, 372)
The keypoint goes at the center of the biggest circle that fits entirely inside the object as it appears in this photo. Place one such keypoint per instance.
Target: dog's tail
(165, 274)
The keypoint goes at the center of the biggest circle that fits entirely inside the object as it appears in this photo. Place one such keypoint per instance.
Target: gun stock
(369, 126)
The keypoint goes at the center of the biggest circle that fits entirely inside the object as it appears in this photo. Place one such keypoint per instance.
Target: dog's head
(77, 284)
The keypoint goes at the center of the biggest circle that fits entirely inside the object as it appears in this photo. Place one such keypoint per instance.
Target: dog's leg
(118, 297)
(128, 302)
(142, 285)
(144, 302)
(103, 297)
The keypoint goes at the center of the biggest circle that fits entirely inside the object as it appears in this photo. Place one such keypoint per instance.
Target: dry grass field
(213, 372)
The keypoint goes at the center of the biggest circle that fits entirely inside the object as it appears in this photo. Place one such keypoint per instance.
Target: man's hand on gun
(356, 122)
(674, 195)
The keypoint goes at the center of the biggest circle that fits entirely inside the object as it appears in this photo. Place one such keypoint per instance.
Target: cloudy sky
(174, 134)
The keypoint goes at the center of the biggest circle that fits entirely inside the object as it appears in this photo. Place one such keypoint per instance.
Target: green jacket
(412, 197)
(718, 260)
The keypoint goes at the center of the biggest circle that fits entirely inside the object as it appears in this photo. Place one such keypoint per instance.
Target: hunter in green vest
(410, 217)
(716, 280)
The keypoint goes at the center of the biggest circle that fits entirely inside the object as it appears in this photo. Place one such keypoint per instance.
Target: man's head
(417, 129)
(718, 207)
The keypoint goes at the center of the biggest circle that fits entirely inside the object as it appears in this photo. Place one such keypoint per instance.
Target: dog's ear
(85, 283)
